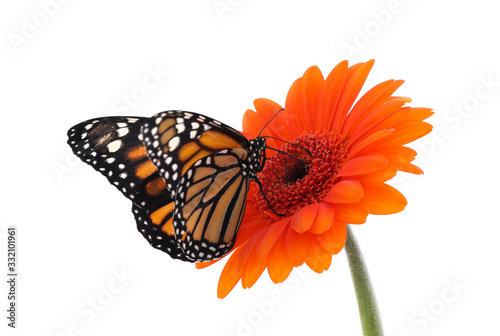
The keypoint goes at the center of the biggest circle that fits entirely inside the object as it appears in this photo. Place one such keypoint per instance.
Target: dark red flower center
(302, 173)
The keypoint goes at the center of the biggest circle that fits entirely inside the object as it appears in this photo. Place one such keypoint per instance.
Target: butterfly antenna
(270, 121)
(290, 143)
(285, 153)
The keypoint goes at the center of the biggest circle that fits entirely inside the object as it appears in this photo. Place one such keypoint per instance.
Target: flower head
(332, 171)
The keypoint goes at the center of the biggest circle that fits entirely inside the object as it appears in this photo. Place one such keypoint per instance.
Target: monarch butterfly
(186, 174)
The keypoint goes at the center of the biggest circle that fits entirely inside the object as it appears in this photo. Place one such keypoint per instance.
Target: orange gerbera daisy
(354, 149)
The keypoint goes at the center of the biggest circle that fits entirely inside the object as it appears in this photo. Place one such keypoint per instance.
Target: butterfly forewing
(210, 203)
(113, 147)
(177, 139)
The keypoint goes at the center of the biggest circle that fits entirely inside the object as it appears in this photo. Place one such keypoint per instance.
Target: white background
(76, 232)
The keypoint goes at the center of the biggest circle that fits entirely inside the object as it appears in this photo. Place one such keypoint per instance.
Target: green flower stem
(367, 303)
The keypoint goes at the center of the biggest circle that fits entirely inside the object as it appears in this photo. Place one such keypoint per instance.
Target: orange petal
(312, 83)
(383, 199)
(363, 165)
(333, 240)
(277, 127)
(293, 109)
(359, 147)
(278, 265)
(318, 261)
(345, 191)
(372, 100)
(205, 264)
(324, 218)
(355, 78)
(249, 248)
(267, 242)
(353, 213)
(251, 124)
(297, 246)
(386, 117)
(410, 168)
(304, 218)
(420, 113)
(253, 270)
(330, 95)
(229, 276)
(398, 98)
(373, 122)
(378, 177)
(408, 131)
(248, 228)
(398, 154)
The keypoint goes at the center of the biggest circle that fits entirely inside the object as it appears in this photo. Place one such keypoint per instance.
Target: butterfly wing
(112, 146)
(156, 226)
(210, 203)
(175, 140)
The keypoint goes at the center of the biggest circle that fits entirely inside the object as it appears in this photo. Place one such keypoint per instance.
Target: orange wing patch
(145, 169)
(156, 186)
(188, 150)
(194, 158)
(168, 228)
(137, 153)
(216, 140)
(159, 215)
(166, 124)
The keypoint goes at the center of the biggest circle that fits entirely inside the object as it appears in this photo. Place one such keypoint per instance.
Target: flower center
(293, 178)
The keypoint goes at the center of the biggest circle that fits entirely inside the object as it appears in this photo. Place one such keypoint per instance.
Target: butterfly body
(187, 175)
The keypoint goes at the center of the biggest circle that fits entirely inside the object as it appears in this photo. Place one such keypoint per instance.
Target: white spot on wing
(173, 143)
(114, 146)
(122, 131)
(180, 128)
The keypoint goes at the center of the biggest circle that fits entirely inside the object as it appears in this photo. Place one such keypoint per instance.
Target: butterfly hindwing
(156, 227)
(177, 139)
(210, 203)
